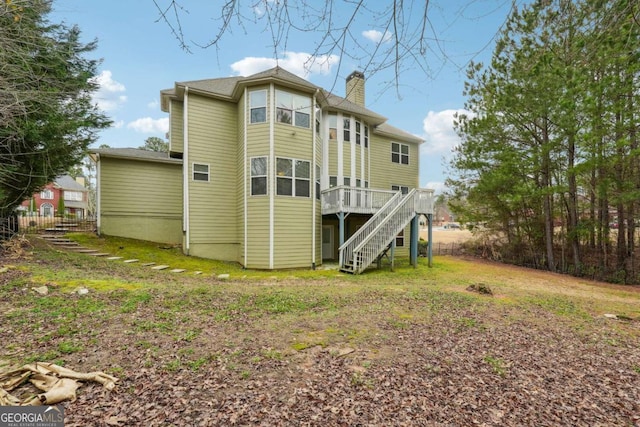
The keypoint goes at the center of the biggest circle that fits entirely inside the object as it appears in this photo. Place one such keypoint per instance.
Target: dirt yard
(447, 236)
(413, 347)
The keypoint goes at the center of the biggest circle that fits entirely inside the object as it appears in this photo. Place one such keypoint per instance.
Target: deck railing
(366, 244)
(354, 200)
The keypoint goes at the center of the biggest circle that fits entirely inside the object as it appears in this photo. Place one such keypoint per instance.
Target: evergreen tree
(47, 119)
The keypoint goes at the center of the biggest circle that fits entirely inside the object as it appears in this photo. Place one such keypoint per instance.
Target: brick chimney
(355, 88)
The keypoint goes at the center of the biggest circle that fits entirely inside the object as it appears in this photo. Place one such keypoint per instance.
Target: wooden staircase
(375, 237)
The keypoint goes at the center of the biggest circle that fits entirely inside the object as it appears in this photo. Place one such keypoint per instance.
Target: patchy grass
(286, 330)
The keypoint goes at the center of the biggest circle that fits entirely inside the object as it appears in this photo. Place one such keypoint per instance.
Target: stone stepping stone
(148, 264)
(160, 267)
(64, 242)
(99, 254)
(197, 273)
(129, 261)
(87, 251)
(113, 258)
(178, 270)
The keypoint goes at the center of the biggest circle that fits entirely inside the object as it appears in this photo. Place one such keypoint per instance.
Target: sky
(140, 56)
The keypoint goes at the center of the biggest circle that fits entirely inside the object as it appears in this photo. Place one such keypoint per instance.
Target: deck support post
(340, 228)
(392, 253)
(430, 238)
(413, 242)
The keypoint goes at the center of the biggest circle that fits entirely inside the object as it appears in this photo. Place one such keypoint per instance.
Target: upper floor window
(366, 136)
(333, 126)
(317, 182)
(258, 106)
(200, 172)
(318, 115)
(346, 129)
(73, 195)
(293, 177)
(46, 194)
(293, 109)
(358, 133)
(399, 153)
(258, 176)
(333, 181)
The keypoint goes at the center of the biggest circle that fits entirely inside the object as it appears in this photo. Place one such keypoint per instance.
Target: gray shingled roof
(65, 182)
(221, 86)
(343, 104)
(281, 74)
(389, 130)
(227, 86)
(136, 154)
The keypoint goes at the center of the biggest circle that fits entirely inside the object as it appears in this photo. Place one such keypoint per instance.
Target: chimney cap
(358, 74)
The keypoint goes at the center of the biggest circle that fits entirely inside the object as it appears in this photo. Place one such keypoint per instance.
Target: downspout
(98, 194)
(313, 183)
(185, 169)
(272, 170)
(244, 181)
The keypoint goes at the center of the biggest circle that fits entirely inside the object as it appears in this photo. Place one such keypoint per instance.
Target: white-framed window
(358, 128)
(318, 182)
(46, 194)
(347, 181)
(259, 176)
(293, 177)
(293, 109)
(333, 126)
(399, 153)
(258, 106)
(75, 196)
(403, 188)
(318, 117)
(366, 137)
(358, 182)
(346, 129)
(201, 172)
(333, 181)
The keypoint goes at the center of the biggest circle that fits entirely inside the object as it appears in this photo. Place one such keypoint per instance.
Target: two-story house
(47, 201)
(270, 171)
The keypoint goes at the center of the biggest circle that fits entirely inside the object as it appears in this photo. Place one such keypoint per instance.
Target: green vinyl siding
(385, 173)
(240, 170)
(346, 161)
(292, 232)
(176, 136)
(257, 206)
(213, 227)
(141, 200)
(257, 232)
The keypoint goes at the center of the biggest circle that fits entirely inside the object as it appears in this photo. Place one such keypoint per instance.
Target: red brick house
(47, 201)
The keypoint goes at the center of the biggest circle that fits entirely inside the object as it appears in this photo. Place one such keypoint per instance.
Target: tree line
(549, 153)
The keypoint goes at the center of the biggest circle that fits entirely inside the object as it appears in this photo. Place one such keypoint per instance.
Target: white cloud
(118, 124)
(439, 134)
(438, 186)
(149, 125)
(109, 96)
(377, 36)
(153, 104)
(300, 63)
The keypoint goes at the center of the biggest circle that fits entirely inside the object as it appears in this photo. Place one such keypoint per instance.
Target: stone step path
(64, 243)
